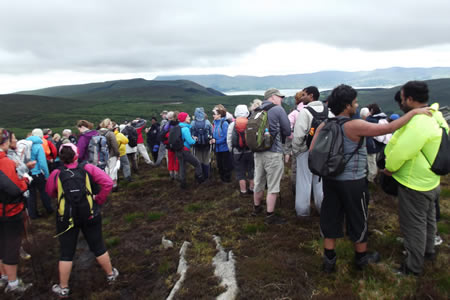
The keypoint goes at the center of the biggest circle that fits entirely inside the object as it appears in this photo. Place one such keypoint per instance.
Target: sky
(59, 42)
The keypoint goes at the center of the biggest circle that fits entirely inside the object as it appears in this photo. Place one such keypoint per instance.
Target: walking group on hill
(334, 153)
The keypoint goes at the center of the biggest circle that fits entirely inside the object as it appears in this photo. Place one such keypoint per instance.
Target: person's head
(343, 100)
(68, 153)
(37, 132)
(374, 109)
(219, 112)
(4, 139)
(413, 94)
(364, 113)
(311, 94)
(12, 140)
(299, 97)
(66, 133)
(47, 131)
(106, 123)
(184, 117)
(274, 96)
(255, 104)
(84, 125)
(163, 114)
(241, 111)
(170, 115)
(56, 137)
(154, 120)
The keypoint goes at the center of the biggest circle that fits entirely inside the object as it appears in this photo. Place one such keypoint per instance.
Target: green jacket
(407, 147)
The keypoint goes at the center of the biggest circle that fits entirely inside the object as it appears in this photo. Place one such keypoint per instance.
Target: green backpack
(257, 125)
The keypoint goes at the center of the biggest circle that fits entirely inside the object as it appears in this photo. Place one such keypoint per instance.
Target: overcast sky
(53, 42)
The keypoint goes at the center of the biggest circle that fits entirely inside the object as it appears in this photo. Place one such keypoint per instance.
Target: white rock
(224, 264)
(182, 268)
(166, 243)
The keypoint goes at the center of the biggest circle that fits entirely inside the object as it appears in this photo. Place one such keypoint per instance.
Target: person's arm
(359, 128)
(81, 147)
(43, 162)
(186, 133)
(301, 129)
(103, 180)
(7, 186)
(285, 125)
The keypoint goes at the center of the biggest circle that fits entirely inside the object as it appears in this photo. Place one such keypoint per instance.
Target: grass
(131, 217)
(154, 216)
(194, 207)
(445, 193)
(112, 241)
(254, 228)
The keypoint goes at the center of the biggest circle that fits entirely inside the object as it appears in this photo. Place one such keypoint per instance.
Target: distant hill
(324, 80)
(131, 89)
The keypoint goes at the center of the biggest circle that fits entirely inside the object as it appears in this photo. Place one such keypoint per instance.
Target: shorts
(244, 164)
(269, 168)
(11, 229)
(344, 198)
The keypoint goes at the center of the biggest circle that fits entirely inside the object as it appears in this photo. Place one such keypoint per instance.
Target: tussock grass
(131, 217)
(254, 228)
(112, 241)
(154, 216)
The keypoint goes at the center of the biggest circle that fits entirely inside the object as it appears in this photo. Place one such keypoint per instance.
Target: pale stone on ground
(224, 264)
(182, 269)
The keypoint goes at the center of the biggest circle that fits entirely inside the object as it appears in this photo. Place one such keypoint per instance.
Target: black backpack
(441, 164)
(202, 133)
(75, 196)
(318, 118)
(326, 158)
(131, 134)
(175, 139)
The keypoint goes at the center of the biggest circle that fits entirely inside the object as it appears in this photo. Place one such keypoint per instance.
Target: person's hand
(195, 138)
(31, 164)
(212, 141)
(423, 110)
(286, 158)
(387, 173)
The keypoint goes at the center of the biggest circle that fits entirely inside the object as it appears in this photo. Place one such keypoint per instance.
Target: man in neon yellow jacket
(408, 156)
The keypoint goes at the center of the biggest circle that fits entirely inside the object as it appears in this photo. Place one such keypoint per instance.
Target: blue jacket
(220, 135)
(38, 154)
(186, 135)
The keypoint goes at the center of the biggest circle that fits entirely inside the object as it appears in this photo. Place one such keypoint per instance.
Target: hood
(199, 114)
(90, 133)
(380, 116)
(34, 139)
(241, 111)
(265, 104)
(185, 125)
(103, 131)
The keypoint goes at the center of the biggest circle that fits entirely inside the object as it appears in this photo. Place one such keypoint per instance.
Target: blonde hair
(56, 137)
(105, 123)
(255, 104)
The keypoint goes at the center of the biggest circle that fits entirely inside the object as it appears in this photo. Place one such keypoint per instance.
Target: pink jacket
(99, 177)
(293, 117)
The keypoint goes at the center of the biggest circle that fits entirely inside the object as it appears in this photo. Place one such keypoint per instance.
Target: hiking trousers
(125, 166)
(417, 216)
(305, 180)
(161, 154)
(38, 184)
(185, 156)
(372, 166)
(143, 151)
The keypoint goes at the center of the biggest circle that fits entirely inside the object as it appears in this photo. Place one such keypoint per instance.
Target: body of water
(290, 92)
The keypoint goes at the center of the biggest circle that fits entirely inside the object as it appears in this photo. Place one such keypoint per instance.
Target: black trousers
(225, 165)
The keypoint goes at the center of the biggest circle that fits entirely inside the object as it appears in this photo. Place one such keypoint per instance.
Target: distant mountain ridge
(324, 79)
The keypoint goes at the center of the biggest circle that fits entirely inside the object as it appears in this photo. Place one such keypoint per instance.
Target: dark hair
(340, 97)
(374, 109)
(154, 118)
(5, 135)
(417, 90)
(312, 90)
(66, 155)
(85, 123)
(397, 97)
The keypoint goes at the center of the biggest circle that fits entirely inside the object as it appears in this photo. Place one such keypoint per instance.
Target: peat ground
(272, 262)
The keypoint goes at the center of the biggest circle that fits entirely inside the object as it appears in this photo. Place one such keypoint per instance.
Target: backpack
(318, 118)
(46, 147)
(441, 164)
(326, 158)
(238, 135)
(256, 127)
(202, 133)
(24, 150)
(98, 151)
(175, 142)
(75, 196)
(131, 134)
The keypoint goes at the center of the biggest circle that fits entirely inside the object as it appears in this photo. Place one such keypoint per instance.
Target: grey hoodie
(279, 126)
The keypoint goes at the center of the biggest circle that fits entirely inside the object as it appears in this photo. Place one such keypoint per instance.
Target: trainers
(438, 240)
(24, 254)
(329, 265)
(274, 219)
(257, 210)
(61, 292)
(111, 278)
(20, 288)
(369, 258)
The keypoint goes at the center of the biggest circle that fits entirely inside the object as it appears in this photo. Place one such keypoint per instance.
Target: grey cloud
(133, 36)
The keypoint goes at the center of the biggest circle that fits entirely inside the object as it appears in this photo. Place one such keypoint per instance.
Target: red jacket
(53, 151)
(11, 188)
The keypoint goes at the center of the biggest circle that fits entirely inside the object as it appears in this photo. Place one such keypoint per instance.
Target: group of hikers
(334, 153)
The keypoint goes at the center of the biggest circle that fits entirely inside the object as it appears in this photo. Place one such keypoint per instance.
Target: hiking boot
(18, 289)
(60, 292)
(257, 210)
(329, 265)
(369, 258)
(24, 254)
(430, 256)
(404, 270)
(111, 278)
(129, 179)
(438, 240)
(274, 219)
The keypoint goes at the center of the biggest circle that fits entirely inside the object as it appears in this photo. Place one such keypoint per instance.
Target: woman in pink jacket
(70, 219)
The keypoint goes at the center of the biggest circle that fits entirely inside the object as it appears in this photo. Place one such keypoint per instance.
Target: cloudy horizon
(50, 42)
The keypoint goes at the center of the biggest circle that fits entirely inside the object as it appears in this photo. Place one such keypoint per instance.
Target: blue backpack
(98, 151)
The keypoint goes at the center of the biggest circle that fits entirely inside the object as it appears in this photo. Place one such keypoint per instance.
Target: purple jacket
(83, 143)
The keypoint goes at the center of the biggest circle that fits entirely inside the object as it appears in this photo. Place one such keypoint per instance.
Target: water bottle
(267, 138)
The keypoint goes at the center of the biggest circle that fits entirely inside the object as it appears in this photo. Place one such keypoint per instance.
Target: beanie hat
(241, 111)
(394, 117)
(182, 116)
(37, 132)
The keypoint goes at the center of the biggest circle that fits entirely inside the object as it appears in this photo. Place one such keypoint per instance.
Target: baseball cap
(271, 92)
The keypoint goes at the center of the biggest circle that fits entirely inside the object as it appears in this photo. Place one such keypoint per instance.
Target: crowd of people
(256, 143)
